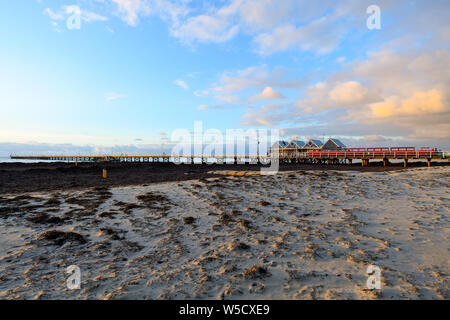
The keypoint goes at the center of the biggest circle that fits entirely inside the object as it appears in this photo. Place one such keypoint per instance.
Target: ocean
(8, 159)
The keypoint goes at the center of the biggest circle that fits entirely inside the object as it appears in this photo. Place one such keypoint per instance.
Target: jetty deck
(328, 157)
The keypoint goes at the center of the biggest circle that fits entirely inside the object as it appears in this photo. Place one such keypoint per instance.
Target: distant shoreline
(17, 177)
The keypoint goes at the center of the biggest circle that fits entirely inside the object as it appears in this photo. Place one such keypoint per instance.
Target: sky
(123, 75)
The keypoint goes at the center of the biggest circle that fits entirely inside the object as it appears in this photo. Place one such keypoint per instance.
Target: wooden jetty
(327, 157)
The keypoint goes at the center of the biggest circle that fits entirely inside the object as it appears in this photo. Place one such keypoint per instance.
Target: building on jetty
(312, 144)
(279, 147)
(333, 144)
(295, 146)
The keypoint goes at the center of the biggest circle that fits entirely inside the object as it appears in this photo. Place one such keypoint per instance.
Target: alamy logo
(374, 279)
(374, 20)
(74, 21)
(74, 280)
(236, 143)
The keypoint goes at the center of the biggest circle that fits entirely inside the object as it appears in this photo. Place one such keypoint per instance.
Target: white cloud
(216, 25)
(130, 10)
(201, 93)
(53, 15)
(269, 115)
(349, 94)
(419, 103)
(267, 94)
(375, 138)
(278, 25)
(67, 11)
(233, 85)
(228, 99)
(85, 15)
(205, 28)
(71, 9)
(266, 14)
(113, 96)
(274, 25)
(181, 84)
(321, 36)
(396, 94)
(91, 17)
(209, 107)
(258, 77)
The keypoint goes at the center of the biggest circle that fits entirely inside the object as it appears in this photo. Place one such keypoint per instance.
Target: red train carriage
(403, 151)
(380, 151)
(428, 151)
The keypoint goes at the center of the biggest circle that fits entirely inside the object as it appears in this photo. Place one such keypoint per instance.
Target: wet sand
(53, 176)
(300, 234)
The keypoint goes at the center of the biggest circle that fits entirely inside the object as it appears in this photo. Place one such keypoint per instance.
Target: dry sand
(294, 235)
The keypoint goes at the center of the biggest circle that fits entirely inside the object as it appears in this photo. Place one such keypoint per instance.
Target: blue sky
(136, 70)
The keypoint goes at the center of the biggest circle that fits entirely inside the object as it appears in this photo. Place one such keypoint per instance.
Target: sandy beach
(299, 234)
(20, 178)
